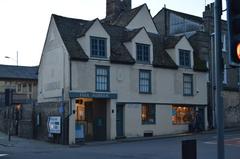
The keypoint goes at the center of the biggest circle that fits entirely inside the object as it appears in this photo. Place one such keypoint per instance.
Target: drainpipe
(213, 86)
(70, 100)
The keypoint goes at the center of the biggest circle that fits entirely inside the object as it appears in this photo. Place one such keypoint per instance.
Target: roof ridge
(70, 18)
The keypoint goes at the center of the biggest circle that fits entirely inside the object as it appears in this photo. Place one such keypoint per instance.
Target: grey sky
(24, 23)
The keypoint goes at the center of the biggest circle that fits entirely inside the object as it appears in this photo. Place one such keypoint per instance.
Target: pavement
(21, 142)
(137, 139)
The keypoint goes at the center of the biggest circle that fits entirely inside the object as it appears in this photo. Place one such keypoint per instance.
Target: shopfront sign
(54, 124)
(92, 95)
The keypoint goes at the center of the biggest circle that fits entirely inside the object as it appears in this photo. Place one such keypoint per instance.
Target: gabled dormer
(136, 18)
(140, 46)
(143, 19)
(95, 41)
(181, 51)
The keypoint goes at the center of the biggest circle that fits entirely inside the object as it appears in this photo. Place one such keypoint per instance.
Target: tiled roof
(71, 29)
(161, 57)
(200, 41)
(119, 53)
(171, 41)
(18, 72)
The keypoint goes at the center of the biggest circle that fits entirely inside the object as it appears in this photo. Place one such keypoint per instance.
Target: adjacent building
(16, 115)
(119, 77)
(200, 30)
(22, 79)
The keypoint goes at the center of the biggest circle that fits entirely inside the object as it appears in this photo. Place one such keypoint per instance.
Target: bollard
(189, 149)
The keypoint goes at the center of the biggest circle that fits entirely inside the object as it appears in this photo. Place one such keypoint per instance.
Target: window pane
(182, 115)
(143, 53)
(19, 88)
(187, 84)
(30, 87)
(98, 47)
(184, 58)
(144, 81)
(102, 78)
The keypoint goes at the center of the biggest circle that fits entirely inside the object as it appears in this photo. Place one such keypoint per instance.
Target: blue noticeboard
(54, 124)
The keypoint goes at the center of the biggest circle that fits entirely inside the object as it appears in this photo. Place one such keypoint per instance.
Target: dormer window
(98, 47)
(184, 58)
(143, 53)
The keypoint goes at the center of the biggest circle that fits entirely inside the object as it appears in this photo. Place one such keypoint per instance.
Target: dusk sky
(24, 23)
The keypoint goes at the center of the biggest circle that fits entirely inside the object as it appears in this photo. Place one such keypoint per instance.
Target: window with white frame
(184, 58)
(187, 84)
(143, 53)
(102, 78)
(98, 47)
(144, 81)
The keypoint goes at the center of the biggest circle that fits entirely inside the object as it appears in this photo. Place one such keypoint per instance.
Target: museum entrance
(91, 119)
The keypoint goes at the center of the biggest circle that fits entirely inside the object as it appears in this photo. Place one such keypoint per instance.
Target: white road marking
(1, 155)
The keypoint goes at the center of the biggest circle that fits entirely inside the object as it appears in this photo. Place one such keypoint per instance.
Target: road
(167, 148)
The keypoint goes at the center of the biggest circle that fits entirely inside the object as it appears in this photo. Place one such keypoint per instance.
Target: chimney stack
(208, 18)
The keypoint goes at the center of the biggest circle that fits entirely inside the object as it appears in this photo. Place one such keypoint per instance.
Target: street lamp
(8, 57)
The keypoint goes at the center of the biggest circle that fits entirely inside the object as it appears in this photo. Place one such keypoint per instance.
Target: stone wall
(44, 110)
(21, 124)
(231, 102)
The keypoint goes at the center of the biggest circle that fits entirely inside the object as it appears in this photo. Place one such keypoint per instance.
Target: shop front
(192, 115)
(91, 111)
(90, 119)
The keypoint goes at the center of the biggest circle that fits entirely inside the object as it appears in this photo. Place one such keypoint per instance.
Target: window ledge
(180, 124)
(147, 93)
(146, 123)
(100, 58)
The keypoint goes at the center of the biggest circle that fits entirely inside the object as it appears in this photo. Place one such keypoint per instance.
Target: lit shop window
(182, 115)
(148, 114)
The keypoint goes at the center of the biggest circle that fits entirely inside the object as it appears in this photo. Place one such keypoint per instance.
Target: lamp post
(8, 57)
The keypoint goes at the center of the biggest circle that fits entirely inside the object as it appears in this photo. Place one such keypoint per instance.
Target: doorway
(91, 119)
(119, 121)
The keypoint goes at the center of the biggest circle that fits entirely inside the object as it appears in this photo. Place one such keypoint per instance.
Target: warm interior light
(18, 107)
(238, 51)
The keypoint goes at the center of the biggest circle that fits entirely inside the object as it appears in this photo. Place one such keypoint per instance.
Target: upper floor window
(187, 85)
(102, 78)
(148, 113)
(143, 53)
(98, 47)
(184, 58)
(145, 81)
